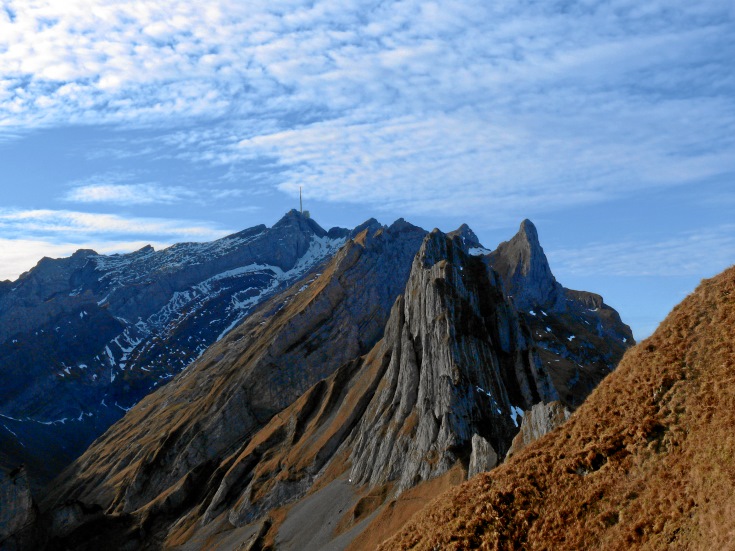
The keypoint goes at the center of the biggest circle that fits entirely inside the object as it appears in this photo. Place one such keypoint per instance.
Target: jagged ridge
(645, 462)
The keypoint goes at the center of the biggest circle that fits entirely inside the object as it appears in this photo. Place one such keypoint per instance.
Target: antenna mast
(301, 204)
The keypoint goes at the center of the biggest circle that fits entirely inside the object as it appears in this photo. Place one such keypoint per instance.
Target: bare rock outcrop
(541, 419)
(18, 511)
(403, 360)
(239, 384)
(483, 457)
(459, 366)
(578, 338)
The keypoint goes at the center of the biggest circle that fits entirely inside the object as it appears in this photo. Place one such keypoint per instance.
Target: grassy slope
(647, 462)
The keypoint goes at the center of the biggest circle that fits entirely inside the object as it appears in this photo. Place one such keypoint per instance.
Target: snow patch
(516, 413)
(478, 251)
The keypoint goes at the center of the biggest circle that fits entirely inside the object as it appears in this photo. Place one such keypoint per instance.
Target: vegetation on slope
(648, 461)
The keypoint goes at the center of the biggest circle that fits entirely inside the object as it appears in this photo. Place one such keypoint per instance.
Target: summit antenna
(306, 213)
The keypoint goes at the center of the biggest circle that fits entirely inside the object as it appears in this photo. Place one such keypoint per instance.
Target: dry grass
(648, 461)
(397, 512)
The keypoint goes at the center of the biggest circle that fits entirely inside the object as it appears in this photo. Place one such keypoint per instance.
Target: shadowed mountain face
(646, 462)
(575, 331)
(84, 338)
(320, 419)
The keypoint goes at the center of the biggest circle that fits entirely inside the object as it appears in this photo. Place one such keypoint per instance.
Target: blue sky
(610, 124)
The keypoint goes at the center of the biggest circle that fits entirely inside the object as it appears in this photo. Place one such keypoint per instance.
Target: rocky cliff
(290, 343)
(575, 331)
(97, 333)
(645, 463)
(333, 409)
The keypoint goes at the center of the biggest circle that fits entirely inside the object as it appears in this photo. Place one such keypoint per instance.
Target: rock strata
(541, 419)
(18, 512)
(100, 332)
(401, 363)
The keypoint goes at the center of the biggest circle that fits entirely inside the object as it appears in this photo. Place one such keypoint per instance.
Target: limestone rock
(457, 366)
(234, 389)
(100, 332)
(525, 271)
(18, 511)
(403, 360)
(541, 419)
(483, 457)
(578, 338)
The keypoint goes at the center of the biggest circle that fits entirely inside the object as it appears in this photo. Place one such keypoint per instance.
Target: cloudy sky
(611, 124)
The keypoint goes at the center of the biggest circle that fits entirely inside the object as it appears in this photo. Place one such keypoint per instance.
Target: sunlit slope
(648, 461)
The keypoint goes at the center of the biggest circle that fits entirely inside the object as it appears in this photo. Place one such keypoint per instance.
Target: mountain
(82, 339)
(575, 330)
(646, 462)
(334, 410)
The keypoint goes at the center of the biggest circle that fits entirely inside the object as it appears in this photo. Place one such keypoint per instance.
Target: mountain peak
(524, 269)
(528, 230)
(465, 233)
(653, 442)
(294, 218)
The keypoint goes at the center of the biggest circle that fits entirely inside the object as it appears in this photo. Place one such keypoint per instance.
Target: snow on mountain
(98, 329)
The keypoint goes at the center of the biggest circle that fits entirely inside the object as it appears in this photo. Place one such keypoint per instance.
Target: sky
(610, 124)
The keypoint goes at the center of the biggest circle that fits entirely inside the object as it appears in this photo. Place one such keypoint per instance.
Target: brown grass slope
(647, 462)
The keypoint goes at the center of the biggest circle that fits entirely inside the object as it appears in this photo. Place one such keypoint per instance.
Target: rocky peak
(525, 271)
(372, 225)
(297, 220)
(466, 236)
(448, 376)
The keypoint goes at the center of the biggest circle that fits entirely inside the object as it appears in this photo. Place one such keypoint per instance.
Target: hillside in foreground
(647, 462)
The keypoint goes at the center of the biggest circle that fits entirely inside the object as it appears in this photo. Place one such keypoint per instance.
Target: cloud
(20, 255)
(112, 188)
(129, 194)
(63, 222)
(27, 235)
(694, 253)
(415, 106)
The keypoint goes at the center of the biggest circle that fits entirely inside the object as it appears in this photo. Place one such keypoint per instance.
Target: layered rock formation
(293, 341)
(541, 419)
(386, 399)
(575, 331)
(646, 462)
(97, 332)
(18, 512)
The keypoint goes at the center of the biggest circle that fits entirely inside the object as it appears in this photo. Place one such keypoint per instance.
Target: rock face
(647, 462)
(459, 366)
(99, 332)
(293, 341)
(541, 419)
(579, 338)
(483, 457)
(524, 270)
(18, 513)
(403, 361)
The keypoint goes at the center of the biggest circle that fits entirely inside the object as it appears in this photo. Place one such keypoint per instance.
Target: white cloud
(22, 223)
(694, 253)
(20, 255)
(129, 194)
(413, 105)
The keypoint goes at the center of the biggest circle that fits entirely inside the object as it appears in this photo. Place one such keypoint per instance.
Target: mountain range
(97, 333)
(390, 364)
